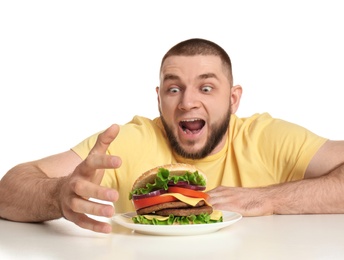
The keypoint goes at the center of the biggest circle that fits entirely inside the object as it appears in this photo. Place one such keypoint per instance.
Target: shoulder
(143, 125)
(251, 123)
(263, 128)
(139, 132)
(262, 123)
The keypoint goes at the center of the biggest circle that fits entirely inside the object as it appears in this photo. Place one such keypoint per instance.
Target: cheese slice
(188, 200)
(216, 215)
(161, 218)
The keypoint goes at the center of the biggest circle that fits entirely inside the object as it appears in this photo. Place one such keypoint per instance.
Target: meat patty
(167, 205)
(183, 212)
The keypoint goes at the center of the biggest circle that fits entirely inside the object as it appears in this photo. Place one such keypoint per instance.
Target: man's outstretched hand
(84, 183)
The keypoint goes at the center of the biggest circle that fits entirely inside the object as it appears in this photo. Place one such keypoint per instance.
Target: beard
(216, 133)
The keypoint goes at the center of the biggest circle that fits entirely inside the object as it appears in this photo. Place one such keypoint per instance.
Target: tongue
(193, 126)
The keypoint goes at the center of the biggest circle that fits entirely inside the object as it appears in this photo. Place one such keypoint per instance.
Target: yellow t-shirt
(259, 151)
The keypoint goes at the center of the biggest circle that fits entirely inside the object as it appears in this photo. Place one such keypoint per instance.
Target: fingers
(105, 139)
(246, 201)
(75, 205)
(84, 206)
(97, 158)
(86, 222)
(80, 191)
(83, 184)
(100, 161)
(216, 194)
(225, 198)
(85, 189)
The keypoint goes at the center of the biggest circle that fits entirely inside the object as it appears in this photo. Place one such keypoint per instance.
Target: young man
(255, 166)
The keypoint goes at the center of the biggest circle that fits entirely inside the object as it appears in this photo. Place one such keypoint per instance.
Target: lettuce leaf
(175, 220)
(162, 179)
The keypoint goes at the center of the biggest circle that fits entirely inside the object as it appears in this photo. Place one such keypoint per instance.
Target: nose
(189, 100)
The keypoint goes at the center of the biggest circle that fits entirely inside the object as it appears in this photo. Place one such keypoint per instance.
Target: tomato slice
(150, 201)
(188, 192)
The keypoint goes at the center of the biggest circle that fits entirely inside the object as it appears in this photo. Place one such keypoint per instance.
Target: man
(255, 166)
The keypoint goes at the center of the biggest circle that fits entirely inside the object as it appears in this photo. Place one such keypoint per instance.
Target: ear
(158, 96)
(236, 92)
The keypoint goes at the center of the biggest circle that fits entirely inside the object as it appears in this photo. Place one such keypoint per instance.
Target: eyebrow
(171, 77)
(207, 75)
(202, 76)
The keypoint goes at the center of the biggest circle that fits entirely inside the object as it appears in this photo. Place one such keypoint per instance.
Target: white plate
(229, 218)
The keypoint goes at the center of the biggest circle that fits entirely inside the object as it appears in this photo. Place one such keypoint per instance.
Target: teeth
(190, 120)
(184, 128)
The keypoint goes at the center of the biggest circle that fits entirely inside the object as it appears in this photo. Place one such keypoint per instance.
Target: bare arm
(61, 185)
(322, 190)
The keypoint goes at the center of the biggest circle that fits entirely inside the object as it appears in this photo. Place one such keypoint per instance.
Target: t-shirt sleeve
(287, 148)
(269, 150)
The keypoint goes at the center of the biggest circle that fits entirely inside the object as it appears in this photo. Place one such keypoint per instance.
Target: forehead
(192, 66)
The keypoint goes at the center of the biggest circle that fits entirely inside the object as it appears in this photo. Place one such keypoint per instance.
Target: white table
(270, 237)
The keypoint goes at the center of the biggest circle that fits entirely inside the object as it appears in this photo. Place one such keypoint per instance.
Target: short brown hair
(197, 46)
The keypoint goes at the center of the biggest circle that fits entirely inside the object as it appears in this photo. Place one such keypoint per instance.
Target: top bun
(174, 168)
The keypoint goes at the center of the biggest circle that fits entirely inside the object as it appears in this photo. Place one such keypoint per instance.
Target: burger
(172, 194)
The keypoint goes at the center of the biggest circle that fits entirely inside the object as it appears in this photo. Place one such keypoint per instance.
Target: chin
(191, 153)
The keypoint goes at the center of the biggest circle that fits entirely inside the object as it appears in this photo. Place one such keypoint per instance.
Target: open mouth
(192, 126)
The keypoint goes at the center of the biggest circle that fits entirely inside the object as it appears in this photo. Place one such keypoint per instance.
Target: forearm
(310, 196)
(319, 195)
(28, 195)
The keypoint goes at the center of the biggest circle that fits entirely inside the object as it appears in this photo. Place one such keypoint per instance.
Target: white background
(72, 68)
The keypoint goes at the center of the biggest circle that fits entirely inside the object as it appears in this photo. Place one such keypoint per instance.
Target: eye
(174, 90)
(206, 89)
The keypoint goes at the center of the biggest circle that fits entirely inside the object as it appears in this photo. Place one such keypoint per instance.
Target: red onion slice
(179, 183)
(186, 185)
(150, 194)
